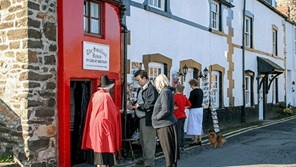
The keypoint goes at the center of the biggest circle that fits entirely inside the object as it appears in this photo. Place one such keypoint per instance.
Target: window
(248, 32)
(248, 90)
(92, 17)
(157, 4)
(215, 15)
(195, 73)
(155, 69)
(215, 89)
(275, 91)
(274, 42)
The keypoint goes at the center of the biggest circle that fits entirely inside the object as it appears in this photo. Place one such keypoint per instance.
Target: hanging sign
(95, 56)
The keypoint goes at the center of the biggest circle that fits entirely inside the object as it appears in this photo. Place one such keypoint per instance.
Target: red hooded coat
(102, 131)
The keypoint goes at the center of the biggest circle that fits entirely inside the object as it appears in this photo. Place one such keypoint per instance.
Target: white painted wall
(153, 33)
(195, 11)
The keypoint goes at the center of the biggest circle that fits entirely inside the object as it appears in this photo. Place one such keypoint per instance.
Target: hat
(105, 82)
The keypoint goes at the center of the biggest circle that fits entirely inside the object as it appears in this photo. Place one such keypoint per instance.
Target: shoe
(195, 144)
(140, 162)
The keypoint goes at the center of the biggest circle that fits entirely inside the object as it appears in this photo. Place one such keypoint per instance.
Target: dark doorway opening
(79, 98)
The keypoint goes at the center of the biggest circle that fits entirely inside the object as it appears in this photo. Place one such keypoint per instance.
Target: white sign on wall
(95, 56)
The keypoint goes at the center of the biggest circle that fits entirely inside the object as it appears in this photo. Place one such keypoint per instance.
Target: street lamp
(204, 74)
(185, 71)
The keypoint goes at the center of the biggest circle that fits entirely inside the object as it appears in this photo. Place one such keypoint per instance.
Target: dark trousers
(180, 127)
(168, 139)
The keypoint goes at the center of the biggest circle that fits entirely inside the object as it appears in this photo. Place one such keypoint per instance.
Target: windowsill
(158, 11)
(250, 49)
(217, 32)
(93, 35)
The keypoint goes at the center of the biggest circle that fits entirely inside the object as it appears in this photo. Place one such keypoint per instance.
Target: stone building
(37, 73)
(28, 80)
(288, 7)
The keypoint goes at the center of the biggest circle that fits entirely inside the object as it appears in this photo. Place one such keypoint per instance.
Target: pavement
(227, 133)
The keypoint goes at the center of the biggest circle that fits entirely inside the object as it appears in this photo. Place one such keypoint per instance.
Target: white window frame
(274, 42)
(215, 89)
(154, 69)
(248, 32)
(158, 4)
(215, 15)
(248, 90)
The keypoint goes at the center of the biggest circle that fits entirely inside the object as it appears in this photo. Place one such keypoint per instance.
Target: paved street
(272, 145)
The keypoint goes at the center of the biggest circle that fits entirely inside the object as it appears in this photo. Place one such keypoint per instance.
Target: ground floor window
(248, 91)
(155, 69)
(215, 89)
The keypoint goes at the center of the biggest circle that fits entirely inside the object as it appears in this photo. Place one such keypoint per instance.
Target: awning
(266, 66)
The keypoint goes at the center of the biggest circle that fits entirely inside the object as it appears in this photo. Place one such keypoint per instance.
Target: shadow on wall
(11, 140)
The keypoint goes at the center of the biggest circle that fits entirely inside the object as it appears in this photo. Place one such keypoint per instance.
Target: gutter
(124, 31)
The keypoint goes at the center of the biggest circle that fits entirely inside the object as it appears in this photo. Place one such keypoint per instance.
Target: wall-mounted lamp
(185, 71)
(204, 74)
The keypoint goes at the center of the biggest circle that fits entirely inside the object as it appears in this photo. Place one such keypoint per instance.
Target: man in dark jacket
(145, 103)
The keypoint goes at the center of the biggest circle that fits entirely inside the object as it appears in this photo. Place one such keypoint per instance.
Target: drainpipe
(285, 63)
(124, 84)
(243, 111)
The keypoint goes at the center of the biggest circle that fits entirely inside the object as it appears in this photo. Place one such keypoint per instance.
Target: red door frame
(70, 52)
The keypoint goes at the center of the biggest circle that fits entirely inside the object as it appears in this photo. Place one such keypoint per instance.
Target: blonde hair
(161, 81)
(180, 88)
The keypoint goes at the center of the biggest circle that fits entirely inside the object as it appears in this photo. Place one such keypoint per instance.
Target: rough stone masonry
(28, 81)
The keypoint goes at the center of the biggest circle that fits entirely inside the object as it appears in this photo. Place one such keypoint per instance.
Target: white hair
(108, 87)
(161, 81)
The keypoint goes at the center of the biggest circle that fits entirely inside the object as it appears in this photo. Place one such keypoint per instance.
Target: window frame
(275, 91)
(248, 91)
(215, 82)
(90, 18)
(274, 41)
(217, 13)
(155, 65)
(162, 3)
(248, 32)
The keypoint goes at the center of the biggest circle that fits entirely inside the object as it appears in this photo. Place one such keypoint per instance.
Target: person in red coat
(181, 102)
(102, 131)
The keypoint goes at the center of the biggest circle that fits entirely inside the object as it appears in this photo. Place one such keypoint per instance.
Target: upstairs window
(92, 17)
(159, 4)
(215, 15)
(274, 42)
(248, 32)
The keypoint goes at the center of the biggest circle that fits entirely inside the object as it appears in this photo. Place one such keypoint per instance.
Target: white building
(166, 35)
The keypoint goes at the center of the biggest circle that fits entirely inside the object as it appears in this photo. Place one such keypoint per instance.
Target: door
(79, 98)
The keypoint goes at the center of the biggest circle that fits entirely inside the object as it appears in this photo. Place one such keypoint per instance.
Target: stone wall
(28, 80)
(287, 7)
